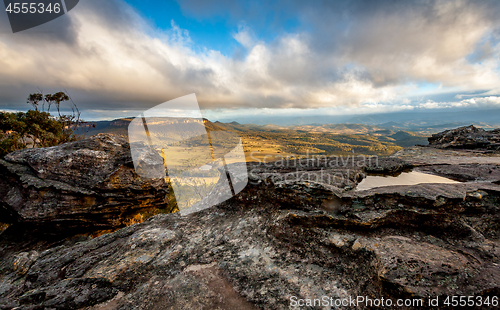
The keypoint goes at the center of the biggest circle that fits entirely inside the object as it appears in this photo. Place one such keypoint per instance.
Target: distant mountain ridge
(424, 122)
(329, 138)
(417, 120)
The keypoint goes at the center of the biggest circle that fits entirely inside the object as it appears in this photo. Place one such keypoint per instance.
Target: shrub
(38, 128)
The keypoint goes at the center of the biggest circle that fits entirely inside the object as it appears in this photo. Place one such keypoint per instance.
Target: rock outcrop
(89, 184)
(288, 235)
(271, 243)
(468, 137)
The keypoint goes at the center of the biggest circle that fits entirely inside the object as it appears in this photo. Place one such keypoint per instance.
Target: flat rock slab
(273, 242)
(418, 155)
(431, 191)
(270, 244)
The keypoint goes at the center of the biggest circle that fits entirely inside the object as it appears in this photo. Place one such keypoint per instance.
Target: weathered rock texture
(87, 183)
(270, 243)
(278, 238)
(465, 165)
(468, 137)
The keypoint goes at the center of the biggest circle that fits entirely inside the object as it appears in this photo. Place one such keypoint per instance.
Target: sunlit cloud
(110, 58)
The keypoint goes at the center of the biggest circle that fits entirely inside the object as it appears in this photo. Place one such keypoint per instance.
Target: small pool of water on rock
(405, 178)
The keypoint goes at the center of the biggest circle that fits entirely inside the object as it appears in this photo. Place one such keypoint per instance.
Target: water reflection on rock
(404, 178)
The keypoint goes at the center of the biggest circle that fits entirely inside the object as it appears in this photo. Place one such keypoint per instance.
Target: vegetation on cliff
(38, 127)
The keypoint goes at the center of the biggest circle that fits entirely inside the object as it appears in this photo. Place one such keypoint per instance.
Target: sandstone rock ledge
(272, 242)
(85, 185)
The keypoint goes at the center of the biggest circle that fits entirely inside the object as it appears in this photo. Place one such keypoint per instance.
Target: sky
(117, 58)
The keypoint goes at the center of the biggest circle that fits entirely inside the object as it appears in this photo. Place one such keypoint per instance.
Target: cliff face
(85, 185)
(277, 240)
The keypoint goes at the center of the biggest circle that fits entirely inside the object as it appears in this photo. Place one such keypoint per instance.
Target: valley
(273, 141)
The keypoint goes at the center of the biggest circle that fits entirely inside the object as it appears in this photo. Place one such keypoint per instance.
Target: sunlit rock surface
(82, 184)
(468, 137)
(280, 238)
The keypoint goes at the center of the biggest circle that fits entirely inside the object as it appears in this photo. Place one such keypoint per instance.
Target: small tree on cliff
(34, 99)
(37, 127)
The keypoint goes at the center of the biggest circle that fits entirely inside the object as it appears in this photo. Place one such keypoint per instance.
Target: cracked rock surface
(270, 243)
(278, 239)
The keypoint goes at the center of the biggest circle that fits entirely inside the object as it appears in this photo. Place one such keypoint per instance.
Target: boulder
(88, 184)
(468, 137)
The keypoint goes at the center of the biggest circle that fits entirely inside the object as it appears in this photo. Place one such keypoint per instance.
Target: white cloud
(123, 61)
(476, 102)
(245, 36)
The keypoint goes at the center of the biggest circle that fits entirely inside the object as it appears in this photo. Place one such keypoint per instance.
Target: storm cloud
(340, 53)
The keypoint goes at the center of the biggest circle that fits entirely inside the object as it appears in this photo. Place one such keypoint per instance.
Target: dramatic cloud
(478, 102)
(348, 53)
